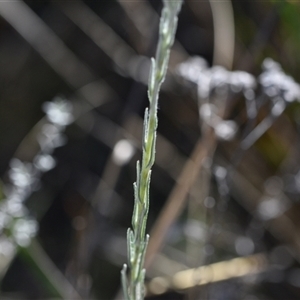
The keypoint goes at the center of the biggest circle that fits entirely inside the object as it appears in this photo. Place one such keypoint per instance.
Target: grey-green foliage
(137, 240)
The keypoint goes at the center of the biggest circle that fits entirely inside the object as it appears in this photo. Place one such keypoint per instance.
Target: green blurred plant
(137, 239)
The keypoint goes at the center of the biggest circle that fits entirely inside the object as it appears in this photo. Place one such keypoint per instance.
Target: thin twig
(224, 270)
(177, 198)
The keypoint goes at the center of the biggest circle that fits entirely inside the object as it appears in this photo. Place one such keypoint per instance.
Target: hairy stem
(137, 239)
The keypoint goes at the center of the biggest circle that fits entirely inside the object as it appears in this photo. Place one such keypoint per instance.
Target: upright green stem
(137, 239)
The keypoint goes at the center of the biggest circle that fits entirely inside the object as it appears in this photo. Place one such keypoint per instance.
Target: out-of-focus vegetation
(224, 215)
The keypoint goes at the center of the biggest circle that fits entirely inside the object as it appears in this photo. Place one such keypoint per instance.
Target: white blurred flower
(5, 219)
(13, 208)
(208, 113)
(7, 247)
(204, 85)
(59, 111)
(271, 208)
(15, 193)
(250, 102)
(276, 83)
(226, 130)
(270, 64)
(249, 94)
(123, 152)
(44, 162)
(23, 231)
(51, 137)
(241, 81)
(219, 76)
(216, 78)
(220, 172)
(195, 230)
(279, 106)
(21, 174)
(192, 68)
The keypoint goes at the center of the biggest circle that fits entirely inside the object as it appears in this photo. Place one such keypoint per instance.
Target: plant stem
(137, 239)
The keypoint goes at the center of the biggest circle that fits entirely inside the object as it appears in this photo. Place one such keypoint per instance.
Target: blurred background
(224, 217)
